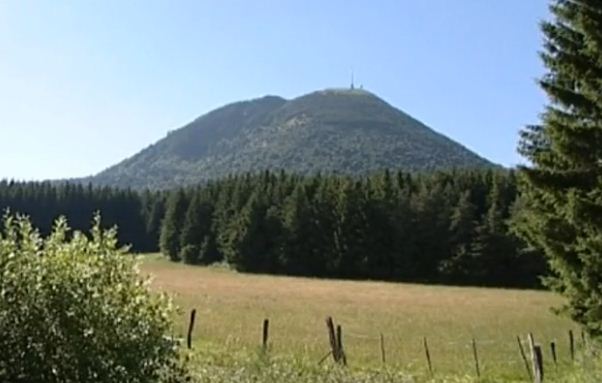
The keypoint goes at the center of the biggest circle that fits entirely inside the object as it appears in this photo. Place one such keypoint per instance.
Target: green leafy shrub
(190, 254)
(73, 308)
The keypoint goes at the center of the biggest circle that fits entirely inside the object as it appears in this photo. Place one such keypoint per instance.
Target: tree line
(448, 227)
(138, 215)
(443, 227)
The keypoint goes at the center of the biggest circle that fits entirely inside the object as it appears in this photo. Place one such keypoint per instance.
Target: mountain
(341, 131)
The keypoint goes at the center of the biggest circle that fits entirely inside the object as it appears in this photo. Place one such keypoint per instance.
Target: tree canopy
(445, 227)
(563, 184)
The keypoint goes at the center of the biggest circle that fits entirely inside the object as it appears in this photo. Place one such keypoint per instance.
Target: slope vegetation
(330, 131)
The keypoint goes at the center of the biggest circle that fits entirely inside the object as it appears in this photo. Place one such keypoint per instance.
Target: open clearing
(231, 307)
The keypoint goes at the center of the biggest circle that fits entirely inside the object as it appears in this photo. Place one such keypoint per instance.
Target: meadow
(232, 306)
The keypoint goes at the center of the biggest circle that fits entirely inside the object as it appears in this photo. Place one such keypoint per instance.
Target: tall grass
(213, 366)
(231, 308)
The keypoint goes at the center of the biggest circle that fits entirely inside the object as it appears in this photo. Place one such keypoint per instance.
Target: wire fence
(528, 353)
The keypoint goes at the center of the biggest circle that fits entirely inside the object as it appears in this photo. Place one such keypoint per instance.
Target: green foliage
(190, 254)
(73, 308)
(563, 186)
(330, 131)
(462, 229)
(449, 227)
(444, 227)
(245, 367)
(171, 226)
(192, 235)
(588, 369)
(138, 215)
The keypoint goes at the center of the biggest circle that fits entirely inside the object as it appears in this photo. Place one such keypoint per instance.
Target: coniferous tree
(492, 256)
(153, 217)
(563, 184)
(191, 236)
(322, 226)
(400, 227)
(274, 240)
(382, 233)
(462, 232)
(208, 251)
(297, 255)
(430, 236)
(175, 213)
(247, 237)
(350, 243)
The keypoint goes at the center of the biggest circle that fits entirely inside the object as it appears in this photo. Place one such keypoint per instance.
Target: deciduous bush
(73, 308)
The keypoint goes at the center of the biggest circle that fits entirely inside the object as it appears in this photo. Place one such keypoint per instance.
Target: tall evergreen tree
(563, 184)
(248, 238)
(153, 217)
(299, 255)
(175, 213)
(382, 232)
(430, 235)
(350, 243)
(493, 253)
(191, 235)
(462, 232)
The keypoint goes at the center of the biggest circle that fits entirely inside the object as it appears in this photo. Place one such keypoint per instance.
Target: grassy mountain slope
(342, 131)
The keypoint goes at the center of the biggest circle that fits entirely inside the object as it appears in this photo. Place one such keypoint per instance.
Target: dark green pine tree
(191, 236)
(175, 212)
(564, 180)
(430, 234)
(350, 242)
(153, 218)
(382, 232)
(247, 245)
(299, 254)
(493, 253)
(462, 232)
(208, 252)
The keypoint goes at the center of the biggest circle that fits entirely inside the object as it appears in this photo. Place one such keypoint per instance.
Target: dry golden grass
(231, 308)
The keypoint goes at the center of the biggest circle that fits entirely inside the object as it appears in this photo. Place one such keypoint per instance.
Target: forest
(440, 227)
(44, 202)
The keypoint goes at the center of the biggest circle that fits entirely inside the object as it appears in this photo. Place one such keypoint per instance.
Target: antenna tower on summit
(352, 81)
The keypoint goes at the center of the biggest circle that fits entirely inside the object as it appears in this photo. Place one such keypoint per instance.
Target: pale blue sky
(84, 84)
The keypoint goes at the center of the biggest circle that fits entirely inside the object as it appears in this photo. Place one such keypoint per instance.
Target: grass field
(231, 308)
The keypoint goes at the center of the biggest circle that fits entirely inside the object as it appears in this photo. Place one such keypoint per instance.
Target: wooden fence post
(265, 334)
(428, 356)
(382, 348)
(538, 364)
(332, 339)
(343, 357)
(553, 350)
(536, 359)
(476, 357)
(524, 357)
(572, 345)
(190, 328)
